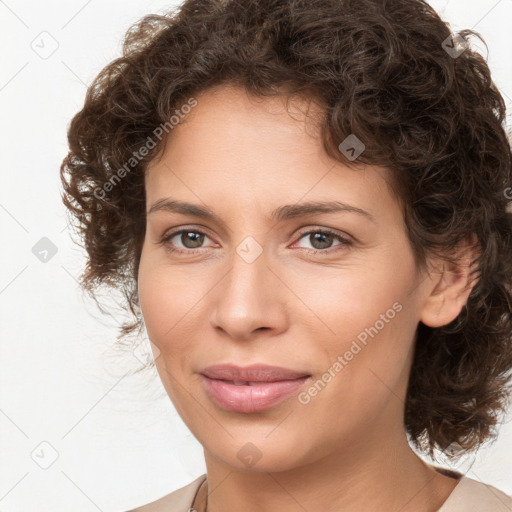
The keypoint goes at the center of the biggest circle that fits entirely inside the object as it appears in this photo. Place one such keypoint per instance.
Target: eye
(191, 239)
(322, 240)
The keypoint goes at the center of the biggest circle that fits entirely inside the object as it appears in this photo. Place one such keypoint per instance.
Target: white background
(119, 440)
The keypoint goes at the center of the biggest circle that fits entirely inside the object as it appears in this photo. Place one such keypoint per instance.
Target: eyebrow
(287, 211)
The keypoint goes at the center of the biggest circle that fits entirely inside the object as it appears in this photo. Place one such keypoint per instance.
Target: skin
(346, 449)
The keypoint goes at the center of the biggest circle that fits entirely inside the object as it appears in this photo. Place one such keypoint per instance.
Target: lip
(252, 373)
(265, 386)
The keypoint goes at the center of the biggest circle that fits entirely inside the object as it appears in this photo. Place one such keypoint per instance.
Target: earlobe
(450, 287)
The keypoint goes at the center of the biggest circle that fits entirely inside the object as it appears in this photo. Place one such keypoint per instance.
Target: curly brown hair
(384, 72)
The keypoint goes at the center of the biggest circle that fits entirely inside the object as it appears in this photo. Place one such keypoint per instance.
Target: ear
(450, 285)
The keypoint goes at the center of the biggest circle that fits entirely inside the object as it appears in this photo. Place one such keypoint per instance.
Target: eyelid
(307, 230)
(344, 239)
(171, 233)
(324, 229)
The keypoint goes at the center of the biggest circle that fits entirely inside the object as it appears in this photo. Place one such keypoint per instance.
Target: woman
(305, 204)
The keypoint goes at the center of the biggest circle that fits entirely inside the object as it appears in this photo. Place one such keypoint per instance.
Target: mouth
(251, 375)
(241, 383)
(248, 396)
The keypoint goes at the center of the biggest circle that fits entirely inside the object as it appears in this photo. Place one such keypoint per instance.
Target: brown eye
(191, 239)
(184, 240)
(322, 240)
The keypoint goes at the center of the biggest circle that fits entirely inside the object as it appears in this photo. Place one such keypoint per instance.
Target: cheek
(170, 300)
(164, 302)
(161, 298)
(357, 301)
(372, 343)
(366, 323)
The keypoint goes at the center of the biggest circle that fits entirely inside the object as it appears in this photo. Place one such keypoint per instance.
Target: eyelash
(344, 242)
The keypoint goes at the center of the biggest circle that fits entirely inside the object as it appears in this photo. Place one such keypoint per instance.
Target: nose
(249, 300)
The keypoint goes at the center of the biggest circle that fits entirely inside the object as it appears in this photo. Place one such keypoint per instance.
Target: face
(333, 295)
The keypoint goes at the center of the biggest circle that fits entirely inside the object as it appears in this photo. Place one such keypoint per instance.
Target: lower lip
(250, 398)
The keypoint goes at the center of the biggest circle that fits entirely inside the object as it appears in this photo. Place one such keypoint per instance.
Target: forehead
(228, 123)
(248, 149)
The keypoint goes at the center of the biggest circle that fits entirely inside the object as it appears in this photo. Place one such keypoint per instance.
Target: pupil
(197, 239)
(322, 238)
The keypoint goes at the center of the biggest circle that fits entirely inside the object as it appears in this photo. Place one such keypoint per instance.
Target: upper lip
(252, 373)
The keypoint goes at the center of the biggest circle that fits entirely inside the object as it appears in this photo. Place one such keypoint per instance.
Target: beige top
(468, 496)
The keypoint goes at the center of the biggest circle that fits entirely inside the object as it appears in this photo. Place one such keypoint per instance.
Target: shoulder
(470, 495)
(179, 500)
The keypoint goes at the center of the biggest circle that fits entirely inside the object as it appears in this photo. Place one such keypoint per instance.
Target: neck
(368, 477)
